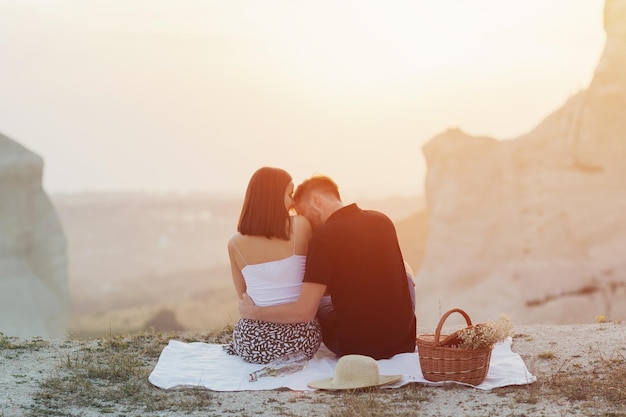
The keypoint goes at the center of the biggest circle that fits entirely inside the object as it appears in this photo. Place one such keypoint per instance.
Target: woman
(267, 260)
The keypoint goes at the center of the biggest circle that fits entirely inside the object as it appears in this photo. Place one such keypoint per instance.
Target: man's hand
(246, 307)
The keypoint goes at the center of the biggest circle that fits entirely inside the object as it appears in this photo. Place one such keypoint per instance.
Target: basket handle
(443, 319)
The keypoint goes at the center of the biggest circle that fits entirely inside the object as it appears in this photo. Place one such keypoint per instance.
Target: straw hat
(355, 371)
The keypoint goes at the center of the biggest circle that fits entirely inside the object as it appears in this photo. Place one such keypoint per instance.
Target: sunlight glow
(196, 94)
(371, 43)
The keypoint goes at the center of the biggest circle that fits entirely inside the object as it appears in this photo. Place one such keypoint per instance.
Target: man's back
(356, 254)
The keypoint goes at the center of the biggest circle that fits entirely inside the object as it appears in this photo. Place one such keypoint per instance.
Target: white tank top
(275, 282)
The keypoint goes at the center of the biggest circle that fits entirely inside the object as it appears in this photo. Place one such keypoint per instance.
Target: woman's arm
(240, 283)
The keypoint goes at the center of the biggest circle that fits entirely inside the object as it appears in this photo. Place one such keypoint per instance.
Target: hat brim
(327, 383)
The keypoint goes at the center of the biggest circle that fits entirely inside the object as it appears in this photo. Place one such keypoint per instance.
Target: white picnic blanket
(203, 365)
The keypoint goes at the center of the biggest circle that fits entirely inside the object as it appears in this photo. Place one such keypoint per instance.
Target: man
(355, 257)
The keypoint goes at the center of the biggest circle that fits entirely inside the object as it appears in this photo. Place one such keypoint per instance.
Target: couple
(334, 272)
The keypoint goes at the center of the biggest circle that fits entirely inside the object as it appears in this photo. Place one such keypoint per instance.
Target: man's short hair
(319, 183)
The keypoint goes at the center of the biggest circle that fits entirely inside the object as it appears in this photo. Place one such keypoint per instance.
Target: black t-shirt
(357, 256)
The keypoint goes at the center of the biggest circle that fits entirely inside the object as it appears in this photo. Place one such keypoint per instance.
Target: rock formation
(536, 226)
(34, 297)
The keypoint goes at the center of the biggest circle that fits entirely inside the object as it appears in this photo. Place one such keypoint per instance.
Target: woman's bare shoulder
(302, 226)
(301, 221)
(235, 239)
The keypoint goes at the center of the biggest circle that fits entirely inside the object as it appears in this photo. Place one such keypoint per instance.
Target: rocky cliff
(34, 298)
(535, 226)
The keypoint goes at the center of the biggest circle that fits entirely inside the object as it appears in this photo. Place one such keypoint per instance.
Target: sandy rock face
(536, 226)
(34, 296)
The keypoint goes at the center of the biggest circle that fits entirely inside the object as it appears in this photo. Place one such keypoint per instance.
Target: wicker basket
(442, 359)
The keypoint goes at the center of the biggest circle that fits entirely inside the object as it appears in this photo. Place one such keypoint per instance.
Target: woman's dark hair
(264, 212)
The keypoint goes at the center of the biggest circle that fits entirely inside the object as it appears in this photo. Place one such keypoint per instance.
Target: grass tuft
(602, 387)
(546, 356)
(111, 376)
(605, 382)
(8, 342)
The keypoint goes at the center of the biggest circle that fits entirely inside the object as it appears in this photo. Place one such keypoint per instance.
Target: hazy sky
(184, 95)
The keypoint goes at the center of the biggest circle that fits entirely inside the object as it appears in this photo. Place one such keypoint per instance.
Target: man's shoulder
(375, 213)
(354, 216)
(378, 216)
(353, 209)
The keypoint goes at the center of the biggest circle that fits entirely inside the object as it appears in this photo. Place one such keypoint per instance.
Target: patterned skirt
(262, 341)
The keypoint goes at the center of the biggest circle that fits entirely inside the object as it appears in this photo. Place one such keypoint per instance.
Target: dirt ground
(578, 369)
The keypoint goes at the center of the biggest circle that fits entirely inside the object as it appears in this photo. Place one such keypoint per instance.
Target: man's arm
(302, 310)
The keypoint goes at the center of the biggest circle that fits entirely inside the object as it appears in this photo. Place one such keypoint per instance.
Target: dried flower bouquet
(485, 334)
